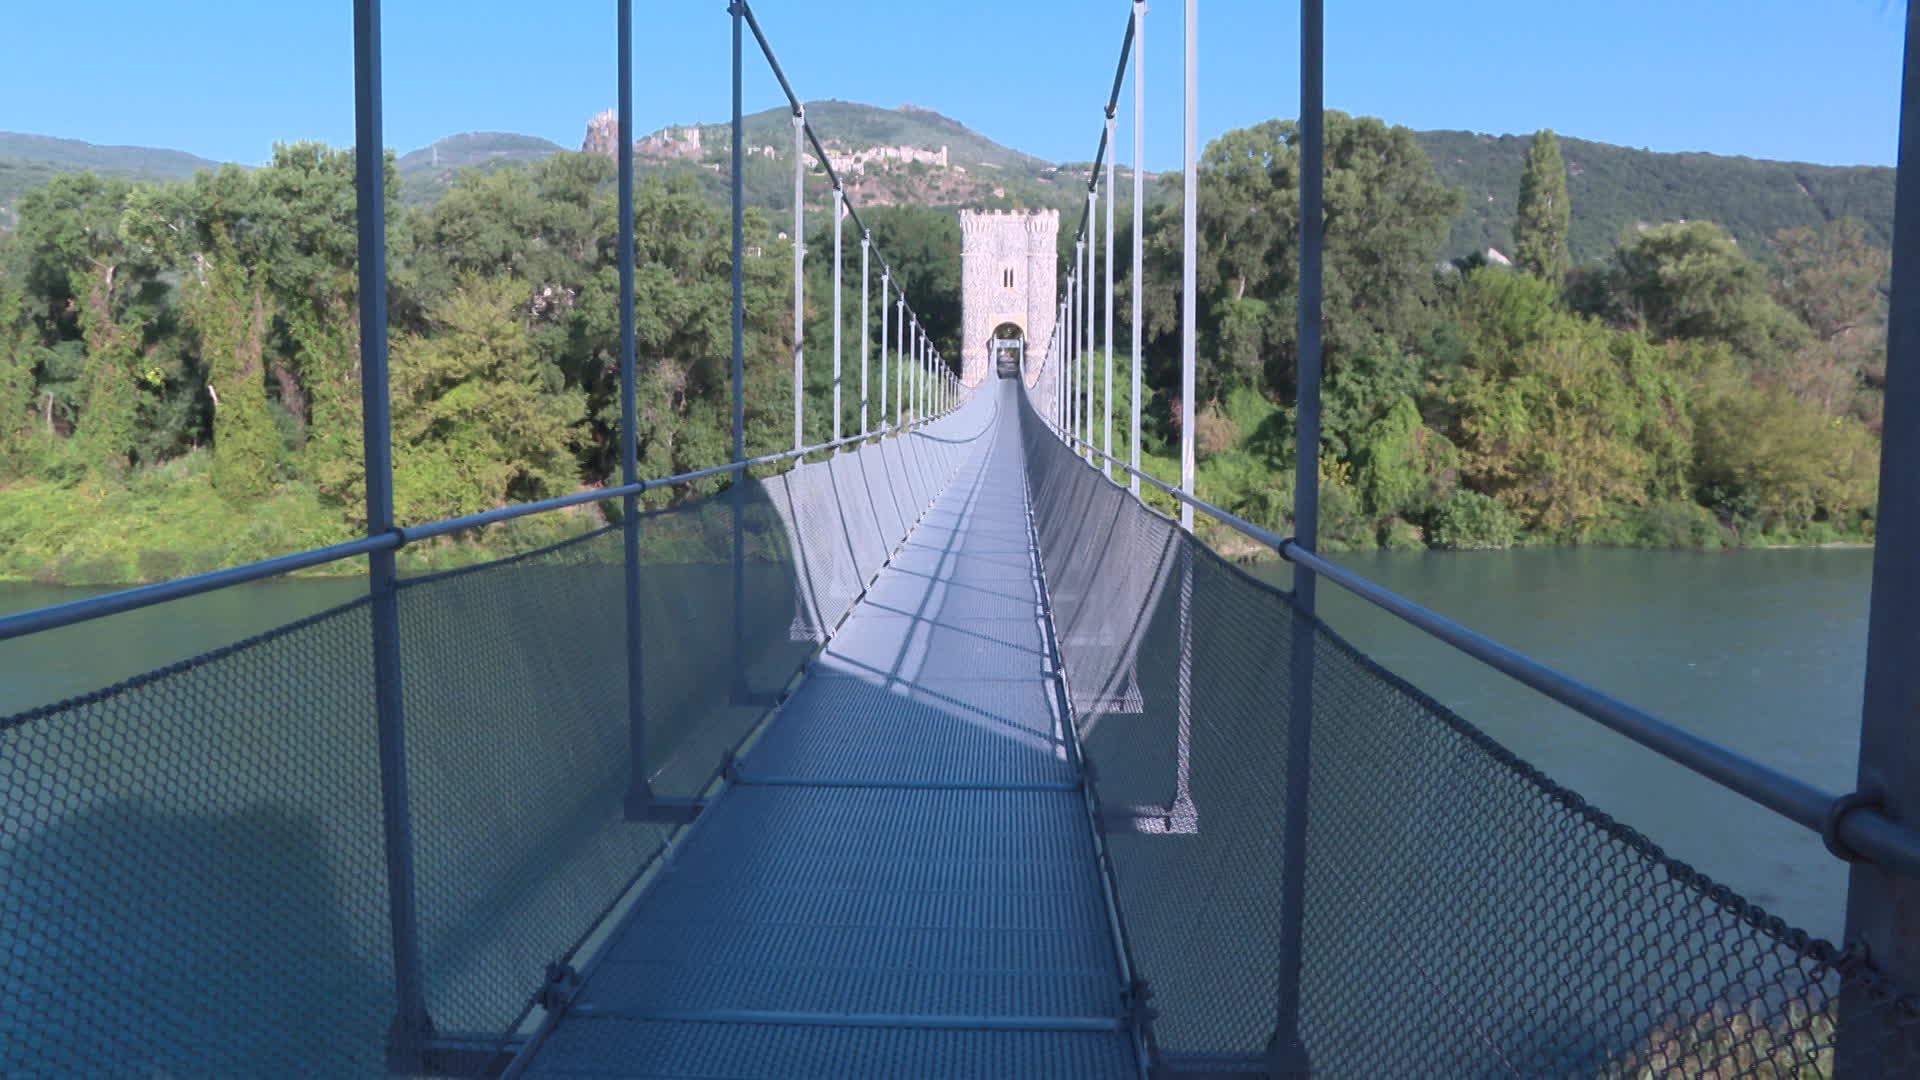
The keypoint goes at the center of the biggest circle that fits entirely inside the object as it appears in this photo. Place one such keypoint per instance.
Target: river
(1760, 650)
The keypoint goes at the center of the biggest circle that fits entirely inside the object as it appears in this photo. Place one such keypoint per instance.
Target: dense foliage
(1545, 218)
(196, 344)
(180, 376)
(1682, 393)
(1616, 189)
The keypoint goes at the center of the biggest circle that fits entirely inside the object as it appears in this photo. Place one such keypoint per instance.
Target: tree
(18, 354)
(1691, 281)
(1386, 219)
(90, 286)
(1546, 214)
(475, 422)
(1767, 460)
(1559, 416)
(1831, 278)
(217, 229)
(230, 314)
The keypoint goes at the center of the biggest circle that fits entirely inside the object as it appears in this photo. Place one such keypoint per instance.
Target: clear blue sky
(1813, 80)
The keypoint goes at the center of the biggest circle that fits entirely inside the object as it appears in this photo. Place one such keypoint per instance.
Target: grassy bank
(170, 522)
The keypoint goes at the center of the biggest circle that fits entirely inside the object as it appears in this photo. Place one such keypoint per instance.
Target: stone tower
(1008, 263)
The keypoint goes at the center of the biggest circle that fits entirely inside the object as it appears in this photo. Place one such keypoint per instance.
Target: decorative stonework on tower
(1008, 262)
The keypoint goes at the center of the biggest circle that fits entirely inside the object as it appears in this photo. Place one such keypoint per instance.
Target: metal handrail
(1859, 829)
(21, 624)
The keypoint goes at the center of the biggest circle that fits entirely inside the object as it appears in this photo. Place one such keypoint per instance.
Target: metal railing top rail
(52, 617)
(799, 110)
(1849, 827)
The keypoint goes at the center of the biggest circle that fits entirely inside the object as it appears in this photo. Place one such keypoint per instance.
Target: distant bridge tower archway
(1008, 263)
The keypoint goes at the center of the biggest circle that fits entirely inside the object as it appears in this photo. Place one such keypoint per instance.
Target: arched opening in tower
(1008, 349)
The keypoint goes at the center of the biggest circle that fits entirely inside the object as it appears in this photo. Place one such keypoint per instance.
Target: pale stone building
(1008, 265)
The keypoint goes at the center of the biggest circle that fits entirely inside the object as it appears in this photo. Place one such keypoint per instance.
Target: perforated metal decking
(903, 880)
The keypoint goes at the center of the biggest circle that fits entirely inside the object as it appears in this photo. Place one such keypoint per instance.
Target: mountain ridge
(1613, 188)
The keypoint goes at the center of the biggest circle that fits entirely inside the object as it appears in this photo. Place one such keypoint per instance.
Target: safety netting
(1464, 915)
(192, 871)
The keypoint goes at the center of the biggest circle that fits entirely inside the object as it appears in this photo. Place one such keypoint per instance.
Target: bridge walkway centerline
(900, 877)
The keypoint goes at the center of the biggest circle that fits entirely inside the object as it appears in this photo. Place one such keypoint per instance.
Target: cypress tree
(1546, 214)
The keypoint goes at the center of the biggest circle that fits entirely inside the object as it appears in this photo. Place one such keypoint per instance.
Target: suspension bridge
(931, 749)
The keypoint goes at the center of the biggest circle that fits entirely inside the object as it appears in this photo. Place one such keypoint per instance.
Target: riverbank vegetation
(180, 373)
(180, 370)
(1682, 393)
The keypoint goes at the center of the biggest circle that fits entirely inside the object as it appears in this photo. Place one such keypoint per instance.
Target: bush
(1470, 521)
(1344, 523)
(1669, 523)
(1400, 535)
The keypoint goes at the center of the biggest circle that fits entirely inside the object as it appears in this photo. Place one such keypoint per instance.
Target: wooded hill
(1613, 188)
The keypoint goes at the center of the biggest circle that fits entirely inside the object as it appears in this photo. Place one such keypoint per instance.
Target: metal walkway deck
(903, 879)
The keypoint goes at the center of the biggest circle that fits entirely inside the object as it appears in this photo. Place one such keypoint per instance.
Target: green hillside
(29, 161)
(426, 173)
(981, 173)
(1614, 188)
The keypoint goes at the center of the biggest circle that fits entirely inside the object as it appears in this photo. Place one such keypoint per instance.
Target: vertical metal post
(1189, 234)
(886, 358)
(1883, 909)
(799, 277)
(1139, 210)
(1074, 303)
(1063, 338)
(406, 1040)
(737, 495)
(839, 216)
(900, 375)
(866, 247)
(1106, 413)
(1287, 1054)
(1089, 300)
(1060, 384)
(639, 793)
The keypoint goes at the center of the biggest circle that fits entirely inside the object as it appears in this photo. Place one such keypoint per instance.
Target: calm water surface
(74, 660)
(1763, 651)
(1760, 650)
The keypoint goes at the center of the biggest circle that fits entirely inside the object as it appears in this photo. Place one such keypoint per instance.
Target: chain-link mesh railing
(1464, 915)
(192, 872)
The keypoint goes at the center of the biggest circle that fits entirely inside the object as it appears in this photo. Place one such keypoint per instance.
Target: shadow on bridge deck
(901, 877)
